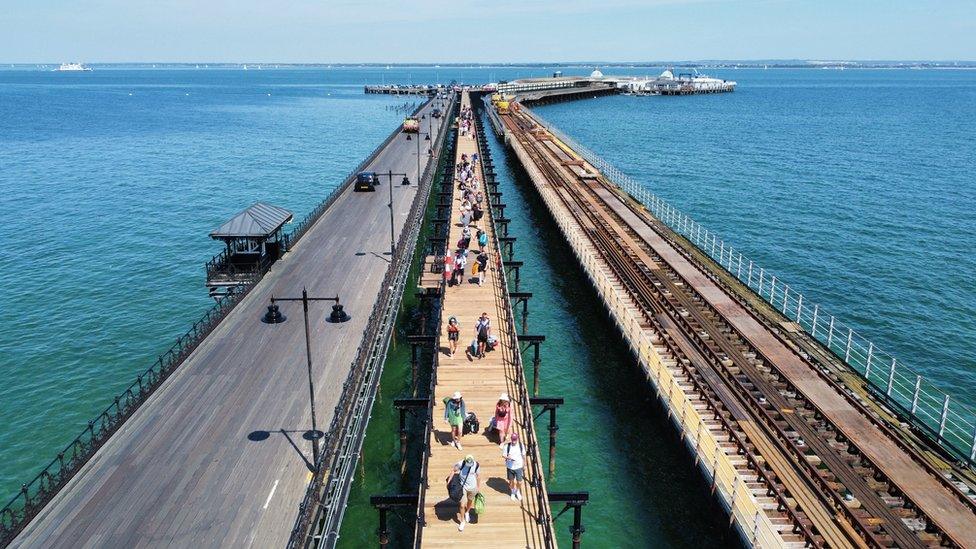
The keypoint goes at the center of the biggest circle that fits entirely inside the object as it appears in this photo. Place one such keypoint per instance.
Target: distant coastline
(700, 64)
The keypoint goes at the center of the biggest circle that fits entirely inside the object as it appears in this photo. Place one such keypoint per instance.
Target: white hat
(456, 395)
(504, 396)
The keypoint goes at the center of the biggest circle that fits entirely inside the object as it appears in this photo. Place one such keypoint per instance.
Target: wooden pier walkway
(506, 523)
(216, 456)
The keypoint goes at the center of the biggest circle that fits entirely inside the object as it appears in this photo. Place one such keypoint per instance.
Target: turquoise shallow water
(855, 187)
(107, 199)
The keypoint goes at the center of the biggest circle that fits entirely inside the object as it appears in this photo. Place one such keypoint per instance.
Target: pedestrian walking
(460, 262)
(467, 473)
(514, 454)
(448, 268)
(454, 412)
(482, 261)
(483, 330)
(503, 417)
(453, 333)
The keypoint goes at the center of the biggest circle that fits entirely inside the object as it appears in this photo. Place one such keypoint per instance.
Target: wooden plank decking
(506, 523)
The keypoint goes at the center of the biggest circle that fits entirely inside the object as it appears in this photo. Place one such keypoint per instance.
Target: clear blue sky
(443, 31)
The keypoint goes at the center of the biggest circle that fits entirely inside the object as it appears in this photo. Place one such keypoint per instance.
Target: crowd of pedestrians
(465, 262)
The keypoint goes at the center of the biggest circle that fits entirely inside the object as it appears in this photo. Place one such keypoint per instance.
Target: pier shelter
(253, 240)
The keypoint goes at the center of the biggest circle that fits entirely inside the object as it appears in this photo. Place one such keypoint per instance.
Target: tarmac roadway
(216, 457)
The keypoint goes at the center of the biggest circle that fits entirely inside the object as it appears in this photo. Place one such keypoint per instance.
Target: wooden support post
(523, 298)
(416, 341)
(577, 528)
(383, 531)
(553, 428)
(383, 504)
(550, 405)
(576, 500)
(403, 443)
(413, 374)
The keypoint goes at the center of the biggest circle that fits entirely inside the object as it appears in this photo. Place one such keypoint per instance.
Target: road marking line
(271, 495)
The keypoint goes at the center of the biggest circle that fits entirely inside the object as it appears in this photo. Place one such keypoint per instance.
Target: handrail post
(945, 414)
(830, 332)
(816, 310)
(918, 387)
(847, 353)
(891, 376)
(972, 451)
(867, 369)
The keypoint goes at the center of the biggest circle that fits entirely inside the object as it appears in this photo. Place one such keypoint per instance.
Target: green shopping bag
(479, 504)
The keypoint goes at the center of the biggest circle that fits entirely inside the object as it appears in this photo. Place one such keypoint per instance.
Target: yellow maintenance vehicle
(411, 124)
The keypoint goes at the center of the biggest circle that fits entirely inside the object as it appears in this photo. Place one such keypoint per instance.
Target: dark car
(366, 182)
(436, 113)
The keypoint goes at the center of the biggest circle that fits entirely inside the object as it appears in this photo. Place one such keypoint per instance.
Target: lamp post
(405, 181)
(274, 316)
(423, 116)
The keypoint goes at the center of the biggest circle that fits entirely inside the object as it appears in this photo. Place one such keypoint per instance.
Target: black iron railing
(321, 508)
(424, 483)
(42, 488)
(536, 475)
(221, 268)
(34, 495)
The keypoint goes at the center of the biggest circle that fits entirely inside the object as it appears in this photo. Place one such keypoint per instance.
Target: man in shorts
(467, 469)
(514, 454)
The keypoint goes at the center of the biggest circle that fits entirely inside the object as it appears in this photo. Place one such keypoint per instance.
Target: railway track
(790, 419)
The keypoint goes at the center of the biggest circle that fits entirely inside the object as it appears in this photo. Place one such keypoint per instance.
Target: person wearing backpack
(483, 330)
(482, 261)
(482, 240)
(454, 413)
(514, 454)
(470, 483)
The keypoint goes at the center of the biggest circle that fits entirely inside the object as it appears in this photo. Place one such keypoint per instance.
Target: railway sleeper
(636, 291)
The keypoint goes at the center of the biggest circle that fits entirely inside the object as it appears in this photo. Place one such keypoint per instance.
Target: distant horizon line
(606, 63)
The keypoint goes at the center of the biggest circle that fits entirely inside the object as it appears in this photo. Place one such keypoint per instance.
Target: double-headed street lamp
(274, 316)
(404, 182)
(426, 138)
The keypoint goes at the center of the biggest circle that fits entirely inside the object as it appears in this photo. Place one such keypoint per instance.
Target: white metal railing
(949, 420)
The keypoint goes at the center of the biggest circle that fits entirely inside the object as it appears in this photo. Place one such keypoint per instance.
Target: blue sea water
(853, 186)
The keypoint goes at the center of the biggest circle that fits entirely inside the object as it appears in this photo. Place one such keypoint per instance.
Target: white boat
(72, 67)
